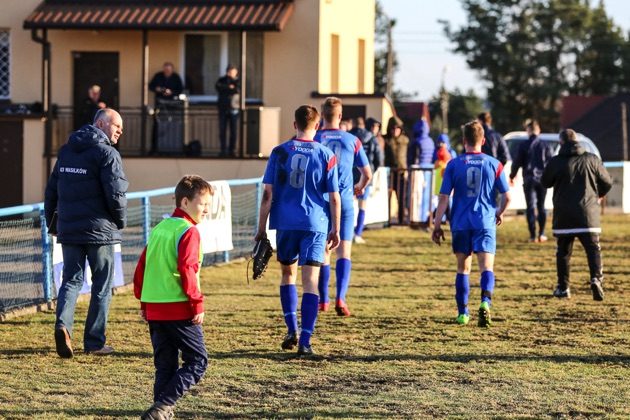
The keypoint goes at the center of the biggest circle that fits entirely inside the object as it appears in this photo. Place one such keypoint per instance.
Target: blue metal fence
(26, 248)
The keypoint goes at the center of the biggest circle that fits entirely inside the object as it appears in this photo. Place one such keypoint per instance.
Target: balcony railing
(199, 124)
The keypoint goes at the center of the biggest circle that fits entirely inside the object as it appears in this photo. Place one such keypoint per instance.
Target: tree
(462, 108)
(533, 52)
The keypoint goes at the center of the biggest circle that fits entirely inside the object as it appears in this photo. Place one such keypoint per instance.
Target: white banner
(377, 205)
(216, 229)
(119, 279)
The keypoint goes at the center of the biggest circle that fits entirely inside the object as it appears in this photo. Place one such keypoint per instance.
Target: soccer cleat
(290, 341)
(342, 308)
(542, 238)
(305, 351)
(597, 289)
(63, 343)
(462, 319)
(324, 306)
(562, 293)
(358, 239)
(484, 315)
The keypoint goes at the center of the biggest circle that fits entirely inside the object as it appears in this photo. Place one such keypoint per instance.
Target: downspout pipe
(46, 94)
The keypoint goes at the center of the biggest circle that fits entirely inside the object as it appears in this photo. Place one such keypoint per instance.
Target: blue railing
(35, 285)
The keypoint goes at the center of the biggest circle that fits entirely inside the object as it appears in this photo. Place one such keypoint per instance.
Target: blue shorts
(474, 240)
(366, 193)
(303, 246)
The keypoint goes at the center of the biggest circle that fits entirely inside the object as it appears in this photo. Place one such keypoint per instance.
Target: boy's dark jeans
(168, 339)
(590, 242)
(535, 195)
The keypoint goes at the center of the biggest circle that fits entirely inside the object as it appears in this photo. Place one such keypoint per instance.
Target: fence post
(146, 218)
(46, 259)
(258, 202)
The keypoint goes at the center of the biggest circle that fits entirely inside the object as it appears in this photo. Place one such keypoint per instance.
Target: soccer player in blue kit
(299, 174)
(473, 177)
(350, 153)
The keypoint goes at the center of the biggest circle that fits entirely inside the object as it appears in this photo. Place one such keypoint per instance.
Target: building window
(5, 64)
(334, 63)
(208, 55)
(361, 78)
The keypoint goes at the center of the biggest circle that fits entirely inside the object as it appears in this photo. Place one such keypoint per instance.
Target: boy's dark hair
(329, 108)
(568, 135)
(190, 186)
(306, 116)
(485, 118)
(473, 133)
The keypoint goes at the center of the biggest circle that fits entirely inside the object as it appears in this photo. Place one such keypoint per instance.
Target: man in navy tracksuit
(87, 189)
(533, 155)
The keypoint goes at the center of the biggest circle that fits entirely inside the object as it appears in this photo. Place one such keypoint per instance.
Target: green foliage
(462, 108)
(533, 52)
(400, 355)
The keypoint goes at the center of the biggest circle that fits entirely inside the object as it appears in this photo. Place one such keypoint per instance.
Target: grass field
(400, 354)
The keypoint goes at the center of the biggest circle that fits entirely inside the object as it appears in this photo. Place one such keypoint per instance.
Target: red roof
(574, 107)
(162, 14)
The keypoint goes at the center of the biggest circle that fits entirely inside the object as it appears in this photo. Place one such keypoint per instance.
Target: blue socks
(324, 279)
(309, 316)
(342, 270)
(358, 230)
(462, 288)
(289, 301)
(487, 286)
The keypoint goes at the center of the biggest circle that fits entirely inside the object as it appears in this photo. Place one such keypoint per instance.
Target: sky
(424, 51)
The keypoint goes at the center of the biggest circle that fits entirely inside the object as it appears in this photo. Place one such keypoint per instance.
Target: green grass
(400, 354)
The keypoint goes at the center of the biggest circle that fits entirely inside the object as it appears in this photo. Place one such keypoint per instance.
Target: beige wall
(351, 20)
(34, 178)
(26, 67)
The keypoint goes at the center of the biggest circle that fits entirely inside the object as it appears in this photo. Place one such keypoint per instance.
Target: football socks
(342, 270)
(487, 286)
(309, 316)
(324, 279)
(462, 289)
(289, 301)
(358, 230)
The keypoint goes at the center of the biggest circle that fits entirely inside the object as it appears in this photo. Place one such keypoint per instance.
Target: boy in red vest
(167, 283)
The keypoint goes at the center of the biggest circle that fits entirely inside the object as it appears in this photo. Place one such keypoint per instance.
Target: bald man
(87, 189)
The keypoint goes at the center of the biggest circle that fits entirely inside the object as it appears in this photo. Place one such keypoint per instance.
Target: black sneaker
(305, 350)
(562, 293)
(63, 343)
(290, 341)
(597, 289)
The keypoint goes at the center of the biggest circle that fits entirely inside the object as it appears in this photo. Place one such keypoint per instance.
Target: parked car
(513, 140)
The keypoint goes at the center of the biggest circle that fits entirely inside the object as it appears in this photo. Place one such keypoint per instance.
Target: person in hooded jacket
(420, 153)
(87, 189)
(579, 182)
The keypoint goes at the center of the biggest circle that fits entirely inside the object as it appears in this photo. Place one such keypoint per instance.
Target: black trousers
(228, 118)
(168, 339)
(590, 242)
(535, 195)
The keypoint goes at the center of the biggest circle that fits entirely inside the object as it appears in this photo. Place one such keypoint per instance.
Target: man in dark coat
(494, 145)
(87, 189)
(166, 84)
(532, 156)
(579, 182)
(229, 105)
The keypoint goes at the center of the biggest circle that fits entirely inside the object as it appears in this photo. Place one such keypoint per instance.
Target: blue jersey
(302, 173)
(475, 178)
(349, 152)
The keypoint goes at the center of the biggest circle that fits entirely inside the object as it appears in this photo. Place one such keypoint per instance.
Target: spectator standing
(420, 154)
(579, 182)
(90, 107)
(367, 135)
(532, 156)
(396, 144)
(166, 84)
(494, 145)
(87, 189)
(229, 107)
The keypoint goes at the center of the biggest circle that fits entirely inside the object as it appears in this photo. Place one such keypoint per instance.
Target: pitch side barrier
(30, 259)
(412, 193)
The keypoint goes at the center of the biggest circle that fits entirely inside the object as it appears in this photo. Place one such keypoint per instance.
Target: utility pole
(389, 90)
(624, 130)
(444, 102)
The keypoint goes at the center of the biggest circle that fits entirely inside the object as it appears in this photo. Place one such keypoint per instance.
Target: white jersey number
(473, 181)
(298, 169)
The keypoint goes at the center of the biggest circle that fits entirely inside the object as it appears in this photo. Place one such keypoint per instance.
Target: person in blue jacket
(87, 189)
(420, 153)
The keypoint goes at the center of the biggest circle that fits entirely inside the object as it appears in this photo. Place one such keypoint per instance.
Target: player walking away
(579, 181)
(532, 156)
(474, 177)
(299, 174)
(349, 152)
